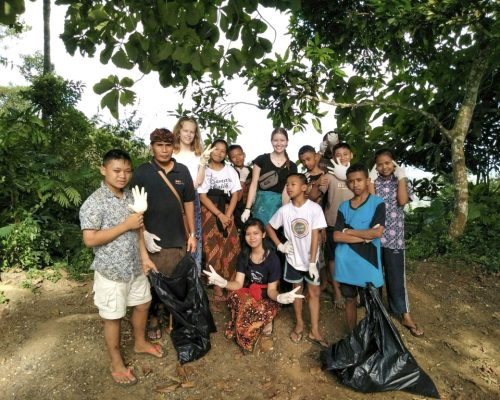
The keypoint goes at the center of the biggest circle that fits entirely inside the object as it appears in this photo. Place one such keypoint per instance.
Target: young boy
(392, 186)
(358, 229)
(237, 158)
(301, 220)
(112, 230)
(333, 185)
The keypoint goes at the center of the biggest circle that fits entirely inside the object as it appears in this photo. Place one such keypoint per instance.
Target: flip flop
(155, 350)
(298, 336)
(129, 374)
(319, 342)
(414, 330)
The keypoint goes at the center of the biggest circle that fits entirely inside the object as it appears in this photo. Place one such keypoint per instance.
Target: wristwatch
(192, 234)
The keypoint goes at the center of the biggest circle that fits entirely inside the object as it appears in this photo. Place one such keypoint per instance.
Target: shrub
(427, 228)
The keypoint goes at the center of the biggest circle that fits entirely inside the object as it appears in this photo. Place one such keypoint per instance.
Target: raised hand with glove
(214, 278)
(140, 200)
(399, 172)
(205, 156)
(286, 248)
(289, 297)
(373, 175)
(337, 169)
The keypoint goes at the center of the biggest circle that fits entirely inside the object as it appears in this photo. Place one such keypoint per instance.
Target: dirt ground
(51, 347)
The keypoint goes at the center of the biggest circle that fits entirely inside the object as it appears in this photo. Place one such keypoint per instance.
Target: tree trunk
(47, 65)
(457, 135)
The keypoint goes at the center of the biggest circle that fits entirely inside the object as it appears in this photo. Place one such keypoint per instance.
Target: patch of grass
(28, 284)
(3, 298)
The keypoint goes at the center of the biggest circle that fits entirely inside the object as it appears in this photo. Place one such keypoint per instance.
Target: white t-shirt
(226, 179)
(298, 224)
(190, 160)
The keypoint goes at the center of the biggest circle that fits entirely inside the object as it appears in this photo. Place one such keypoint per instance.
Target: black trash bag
(184, 297)
(373, 357)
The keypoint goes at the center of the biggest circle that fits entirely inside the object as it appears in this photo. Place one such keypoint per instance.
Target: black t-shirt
(164, 215)
(267, 271)
(266, 165)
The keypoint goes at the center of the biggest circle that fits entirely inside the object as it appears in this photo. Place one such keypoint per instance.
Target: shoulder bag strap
(171, 187)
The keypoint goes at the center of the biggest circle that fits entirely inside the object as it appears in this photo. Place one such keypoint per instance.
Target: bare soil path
(51, 347)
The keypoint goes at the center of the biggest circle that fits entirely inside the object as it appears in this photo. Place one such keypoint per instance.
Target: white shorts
(112, 298)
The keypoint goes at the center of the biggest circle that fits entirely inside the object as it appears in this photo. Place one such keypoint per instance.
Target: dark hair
(234, 147)
(381, 152)
(306, 149)
(246, 250)
(116, 154)
(341, 145)
(302, 177)
(220, 140)
(358, 167)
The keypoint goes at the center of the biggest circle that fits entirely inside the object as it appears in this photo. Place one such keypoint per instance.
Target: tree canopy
(427, 70)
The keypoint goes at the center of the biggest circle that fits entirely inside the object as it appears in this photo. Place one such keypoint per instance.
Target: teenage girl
(263, 203)
(188, 151)
(254, 300)
(389, 182)
(218, 197)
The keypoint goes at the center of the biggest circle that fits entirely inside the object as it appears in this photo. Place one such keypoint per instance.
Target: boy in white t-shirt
(302, 221)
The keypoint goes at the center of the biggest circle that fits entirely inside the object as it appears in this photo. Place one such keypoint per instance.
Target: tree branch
(386, 104)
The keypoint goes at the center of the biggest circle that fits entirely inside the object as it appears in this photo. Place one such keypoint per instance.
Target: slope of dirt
(51, 347)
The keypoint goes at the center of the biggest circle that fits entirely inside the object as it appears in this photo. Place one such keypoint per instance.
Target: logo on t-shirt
(300, 227)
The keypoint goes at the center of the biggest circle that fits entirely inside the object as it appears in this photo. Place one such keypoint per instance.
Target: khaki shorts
(112, 298)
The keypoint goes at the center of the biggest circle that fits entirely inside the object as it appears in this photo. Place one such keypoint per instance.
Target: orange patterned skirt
(218, 251)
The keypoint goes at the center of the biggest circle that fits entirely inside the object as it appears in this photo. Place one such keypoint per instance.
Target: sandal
(319, 342)
(414, 330)
(132, 380)
(296, 337)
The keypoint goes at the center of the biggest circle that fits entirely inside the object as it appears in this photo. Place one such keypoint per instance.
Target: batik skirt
(248, 318)
(220, 252)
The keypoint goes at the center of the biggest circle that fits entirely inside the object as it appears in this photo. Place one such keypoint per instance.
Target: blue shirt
(360, 263)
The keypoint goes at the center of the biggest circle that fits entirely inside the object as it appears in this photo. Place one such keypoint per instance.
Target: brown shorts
(167, 259)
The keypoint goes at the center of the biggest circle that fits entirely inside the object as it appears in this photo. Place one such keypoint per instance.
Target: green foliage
(3, 299)
(48, 167)
(10, 10)
(179, 39)
(23, 245)
(427, 228)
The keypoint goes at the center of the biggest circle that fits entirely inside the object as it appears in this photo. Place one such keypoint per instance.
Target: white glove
(140, 200)
(332, 138)
(373, 175)
(214, 278)
(149, 240)
(286, 248)
(339, 170)
(399, 172)
(245, 215)
(205, 156)
(289, 297)
(313, 271)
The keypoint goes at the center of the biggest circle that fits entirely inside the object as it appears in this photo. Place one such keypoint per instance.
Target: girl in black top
(268, 199)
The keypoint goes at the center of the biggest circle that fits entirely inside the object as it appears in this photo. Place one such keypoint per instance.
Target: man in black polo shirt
(164, 216)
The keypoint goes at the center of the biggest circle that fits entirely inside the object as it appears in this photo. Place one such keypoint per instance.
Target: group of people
(251, 230)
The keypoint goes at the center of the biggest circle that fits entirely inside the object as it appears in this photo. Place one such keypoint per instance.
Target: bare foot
(123, 376)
